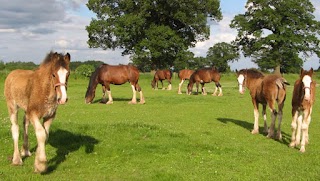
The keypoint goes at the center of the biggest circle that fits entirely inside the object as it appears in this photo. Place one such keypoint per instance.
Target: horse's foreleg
(16, 160)
(40, 163)
(163, 88)
(309, 120)
(25, 147)
(134, 95)
(294, 129)
(265, 125)
(46, 124)
(256, 121)
(179, 88)
(304, 127)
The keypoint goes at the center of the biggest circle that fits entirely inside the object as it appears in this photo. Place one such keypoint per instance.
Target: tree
(274, 32)
(154, 31)
(85, 70)
(220, 54)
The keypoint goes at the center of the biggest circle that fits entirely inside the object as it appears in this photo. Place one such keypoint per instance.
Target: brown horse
(161, 75)
(202, 76)
(303, 98)
(265, 90)
(184, 75)
(114, 74)
(38, 93)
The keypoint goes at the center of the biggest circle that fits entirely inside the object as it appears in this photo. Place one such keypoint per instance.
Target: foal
(302, 101)
(265, 90)
(161, 75)
(38, 93)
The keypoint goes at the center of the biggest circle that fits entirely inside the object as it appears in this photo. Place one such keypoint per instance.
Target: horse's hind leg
(169, 86)
(104, 99)
(134, 95)
(180, 84)
(265, 125)
(203, 89)
(13, 112)
(280, 107)
(272, 125)
(25, 147)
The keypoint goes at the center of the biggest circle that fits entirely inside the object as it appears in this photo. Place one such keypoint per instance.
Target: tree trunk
(277, 70)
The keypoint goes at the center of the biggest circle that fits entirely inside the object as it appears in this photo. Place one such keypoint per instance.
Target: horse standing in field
(161, 75)
(114, 74)
(184, 75)
(202, 76)
(38, 93)
(265, 90)
(303, 98)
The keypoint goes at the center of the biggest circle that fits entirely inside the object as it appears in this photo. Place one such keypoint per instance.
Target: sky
(31, 29)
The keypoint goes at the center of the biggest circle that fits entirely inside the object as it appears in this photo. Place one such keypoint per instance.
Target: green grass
(171, 137)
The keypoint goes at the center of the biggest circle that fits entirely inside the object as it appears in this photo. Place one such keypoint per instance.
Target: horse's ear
(311, 70)
(236, 70)
(301, 71)
(67, 57)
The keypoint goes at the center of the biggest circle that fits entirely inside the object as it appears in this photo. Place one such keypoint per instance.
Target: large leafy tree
(275, 33)
(153, 31)
(220, 54)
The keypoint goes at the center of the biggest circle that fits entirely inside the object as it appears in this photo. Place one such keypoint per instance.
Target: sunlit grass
(171, 137)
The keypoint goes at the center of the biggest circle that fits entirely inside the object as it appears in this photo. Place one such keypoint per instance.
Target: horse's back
(274, 88)
(16, 87)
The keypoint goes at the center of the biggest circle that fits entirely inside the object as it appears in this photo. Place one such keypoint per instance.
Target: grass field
(171, 137)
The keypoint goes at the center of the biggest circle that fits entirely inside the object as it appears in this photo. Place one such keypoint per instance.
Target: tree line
(277, 35)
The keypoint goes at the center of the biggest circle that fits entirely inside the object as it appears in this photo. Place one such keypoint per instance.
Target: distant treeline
(9, 66)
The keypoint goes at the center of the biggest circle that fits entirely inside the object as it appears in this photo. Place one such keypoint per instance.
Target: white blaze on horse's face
(240, 82)
(306, 80)
(62, 73)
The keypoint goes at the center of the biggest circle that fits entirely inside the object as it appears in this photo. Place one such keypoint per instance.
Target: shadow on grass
(101, 101)
(66, 142)
(249, 126)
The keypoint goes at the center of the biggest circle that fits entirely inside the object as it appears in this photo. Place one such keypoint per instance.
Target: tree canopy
(277, 32)
(154, 32)
(220, 54)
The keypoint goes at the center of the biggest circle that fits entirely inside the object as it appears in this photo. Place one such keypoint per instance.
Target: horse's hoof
(17, 162)
(131, 102)
(109, 102)
(270, 136)
(142, 102)
(25, 153)
(302, 149)
(220, 95)
(214, 94)
(292, 144)
(254, 132)
(40, 167)
(179, 93)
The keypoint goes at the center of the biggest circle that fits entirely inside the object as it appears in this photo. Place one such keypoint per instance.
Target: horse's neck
(42, 79)
(254, 84)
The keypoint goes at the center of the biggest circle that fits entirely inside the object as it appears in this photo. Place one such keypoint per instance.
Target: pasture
(171, 137)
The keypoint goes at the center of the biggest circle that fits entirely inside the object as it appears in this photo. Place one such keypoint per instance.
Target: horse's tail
(281, 83)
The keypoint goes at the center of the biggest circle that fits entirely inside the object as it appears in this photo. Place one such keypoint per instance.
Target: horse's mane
(50, 59)
(254, 73)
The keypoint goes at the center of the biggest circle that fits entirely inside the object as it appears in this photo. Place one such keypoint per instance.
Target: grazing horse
(265, 90)
(184, 75)
(161, 75)
(114, 74)
(38, 93)
(202, 76)
(303, 98)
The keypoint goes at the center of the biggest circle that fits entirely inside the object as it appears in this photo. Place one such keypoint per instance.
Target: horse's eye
(53, 75)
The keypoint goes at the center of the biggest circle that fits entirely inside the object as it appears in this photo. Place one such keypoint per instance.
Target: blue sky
(28, 33)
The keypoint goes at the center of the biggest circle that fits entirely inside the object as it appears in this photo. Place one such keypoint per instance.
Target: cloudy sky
(30, 29)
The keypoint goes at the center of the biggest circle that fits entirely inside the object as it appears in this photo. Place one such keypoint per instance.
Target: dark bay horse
(114, 74)
(266, 90)
(303, 98)
(184, 74)
(38, 93)
(161, 75)
(202, 76)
